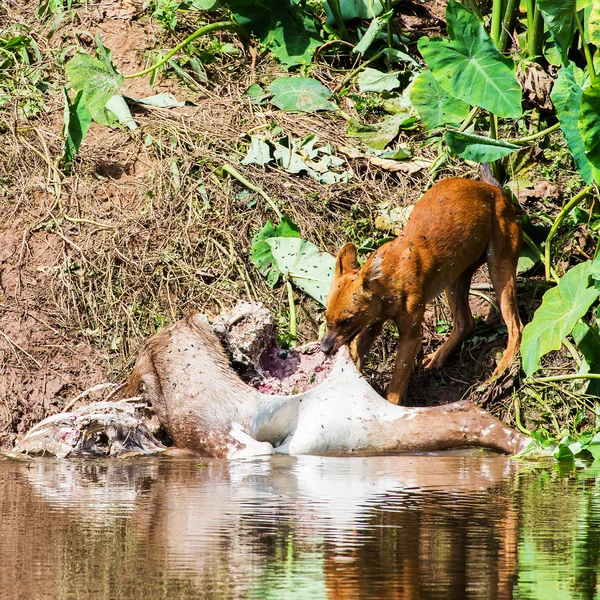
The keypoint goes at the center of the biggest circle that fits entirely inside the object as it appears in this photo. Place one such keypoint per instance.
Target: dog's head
(352, 303)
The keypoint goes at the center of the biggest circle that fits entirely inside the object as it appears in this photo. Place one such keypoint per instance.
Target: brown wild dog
(457, 226)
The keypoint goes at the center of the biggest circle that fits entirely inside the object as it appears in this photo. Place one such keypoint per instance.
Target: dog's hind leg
(502, 258)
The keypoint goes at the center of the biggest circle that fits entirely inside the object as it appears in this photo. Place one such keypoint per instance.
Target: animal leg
(502, 259)
(457, 295)
(408, 348)
(361, 346)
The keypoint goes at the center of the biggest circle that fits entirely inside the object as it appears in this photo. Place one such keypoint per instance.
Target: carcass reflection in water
(393, 527)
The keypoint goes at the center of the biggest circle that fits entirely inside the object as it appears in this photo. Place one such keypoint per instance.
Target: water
(458, 526)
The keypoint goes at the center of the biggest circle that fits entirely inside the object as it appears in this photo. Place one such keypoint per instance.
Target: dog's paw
(430, 362)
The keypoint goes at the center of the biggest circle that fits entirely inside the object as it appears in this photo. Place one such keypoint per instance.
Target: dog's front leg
(408, 348)
(361, 346)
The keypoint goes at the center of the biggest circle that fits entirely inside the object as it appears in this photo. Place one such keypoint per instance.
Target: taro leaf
(261, 255)
(307, 267)
(589, 123)
(469, 65)
(562, 306)
(478, 148)
(259, 152)
(287, 27)
(355, 9)
(99, 82)
(77, 120)
(566, 97)
(300, 94)
(372, 80)
(560, 21)
(256, 94)
(372, 33)
(380, 135)
(118, 107)
(395, 55)
(200, 5)
(593, 28)
(527, 259)
(587, 338)
(435, 106)
(166, 100)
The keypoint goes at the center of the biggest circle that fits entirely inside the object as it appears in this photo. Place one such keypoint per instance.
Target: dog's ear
(372, 270)
(346, 260)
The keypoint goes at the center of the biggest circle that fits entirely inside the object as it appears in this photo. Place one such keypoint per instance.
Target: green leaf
(587, 338)
(77, 120)
(435, 106)
(380, 135)
(261, 254)
(355, 9)
(99, 82)
(308, 268)
(527, 259)
(375, 28)
(372, 80)
(593, 27)
(589, 124)
(300, 94)
(287, 27)
(562, 306)
(256, 94)
(469, 65)
(560, 21)
(259, 152)
(566, 97)
(478, 148)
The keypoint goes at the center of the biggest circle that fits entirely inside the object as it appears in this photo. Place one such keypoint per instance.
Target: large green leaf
(300, 94)
(99, 81)
(355, 9)
(372, 80)
(477, 147)
(589, 123)
(562, 306)
(435, 106)
(287, 27)
(593, 28)
(469, 65)
(587, 339)
(77, 120)
(559, 17)
(261, 254)
(566, 97)
(308, 268)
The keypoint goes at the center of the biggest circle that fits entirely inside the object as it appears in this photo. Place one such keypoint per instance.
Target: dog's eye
(346, 322)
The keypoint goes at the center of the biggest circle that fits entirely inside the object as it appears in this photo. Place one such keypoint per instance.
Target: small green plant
(165, 12)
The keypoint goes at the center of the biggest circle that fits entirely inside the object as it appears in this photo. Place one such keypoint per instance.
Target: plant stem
(222, 25)
(496, 22)
(390, 34)
(535, 30)
(470, 118)
(567, 208)
(336, 11)
(518, 421)
(508, 23)
(566, 377)
(356, 71)
(534, 136)
(293, 324)
(539, 255)
(586, 49)
(229, 169)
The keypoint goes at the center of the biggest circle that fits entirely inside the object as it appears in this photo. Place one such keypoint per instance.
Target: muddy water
(452, 526)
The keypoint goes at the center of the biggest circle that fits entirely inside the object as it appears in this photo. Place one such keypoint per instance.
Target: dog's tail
(485, 173)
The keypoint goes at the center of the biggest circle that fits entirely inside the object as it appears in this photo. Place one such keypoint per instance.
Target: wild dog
(457, 226)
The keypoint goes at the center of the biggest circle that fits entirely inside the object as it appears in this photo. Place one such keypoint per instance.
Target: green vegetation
(407, 103)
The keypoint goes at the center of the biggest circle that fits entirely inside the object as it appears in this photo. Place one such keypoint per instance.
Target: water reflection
(409, 527)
